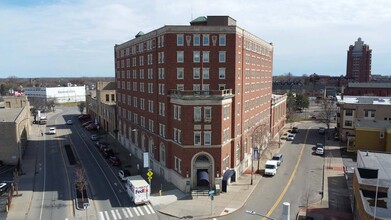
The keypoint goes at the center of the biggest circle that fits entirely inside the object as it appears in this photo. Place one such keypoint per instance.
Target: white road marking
(141, 211)
(150, 207)
(135, 210)
(147, 210)
(107, 215)
(125, 214)
(119, 215)
(129, 212)
(102, 217)
(113, 214)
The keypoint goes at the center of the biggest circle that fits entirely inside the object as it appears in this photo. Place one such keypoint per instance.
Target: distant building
(363, 115)
(372, 176)
(57, 94)
(14, 129)
(192, 96)
(278, 113)
(359, 61)
(368, 89)
(101, 105)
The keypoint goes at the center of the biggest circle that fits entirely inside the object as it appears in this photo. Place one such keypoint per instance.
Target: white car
(52, 130)
(94, 137)
(123, 174)
(319, 149)
(69, 122)
(290, 137)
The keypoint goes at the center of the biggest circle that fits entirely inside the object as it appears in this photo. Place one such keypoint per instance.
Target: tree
(290, 107)
(51, 103)
(81, 106)
(302, 101)
(81, 180)
(328, 110)
(261, 138)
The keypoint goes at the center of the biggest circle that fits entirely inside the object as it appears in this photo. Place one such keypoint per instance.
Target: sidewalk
(173, 203)
(21, 203)
(335, 203)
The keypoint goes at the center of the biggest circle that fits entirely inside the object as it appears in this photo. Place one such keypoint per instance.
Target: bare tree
(81, 180)
(328, 110)
(51, 103)
(261, 138)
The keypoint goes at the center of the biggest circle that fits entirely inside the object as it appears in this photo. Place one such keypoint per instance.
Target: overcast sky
(74, 38)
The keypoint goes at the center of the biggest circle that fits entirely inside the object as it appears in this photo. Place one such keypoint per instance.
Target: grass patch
(69, 104)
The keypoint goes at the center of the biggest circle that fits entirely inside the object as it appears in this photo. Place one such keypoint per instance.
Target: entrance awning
(203, 178)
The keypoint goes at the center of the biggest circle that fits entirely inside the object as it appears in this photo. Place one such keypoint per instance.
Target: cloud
(77, 36)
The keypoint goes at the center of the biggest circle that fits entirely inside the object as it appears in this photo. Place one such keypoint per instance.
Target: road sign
(149, 174)
(150, 177)
(211, 193)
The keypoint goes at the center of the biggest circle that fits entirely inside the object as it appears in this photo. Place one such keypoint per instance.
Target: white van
(271, 167)
(52, 130)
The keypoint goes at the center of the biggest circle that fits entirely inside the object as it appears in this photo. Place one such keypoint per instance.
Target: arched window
(162, 154)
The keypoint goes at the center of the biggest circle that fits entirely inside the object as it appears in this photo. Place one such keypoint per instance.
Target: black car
(108, 153)
(114, 161)
(295, 130)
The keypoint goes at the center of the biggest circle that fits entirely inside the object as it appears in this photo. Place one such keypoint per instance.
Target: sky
(76, 38)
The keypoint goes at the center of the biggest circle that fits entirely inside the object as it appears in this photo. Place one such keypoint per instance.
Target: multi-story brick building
(191, 96)
(359, 61)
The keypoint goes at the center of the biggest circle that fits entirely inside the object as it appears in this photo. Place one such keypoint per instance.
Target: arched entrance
(202, 171)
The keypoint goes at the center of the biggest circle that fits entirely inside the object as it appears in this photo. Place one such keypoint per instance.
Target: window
(180, 73)
(196, 56)
(207, 114)
(177, 112)
(369, 113)
(178, 164)
(197, 138)
(221, 56)
(161, 73)
(161, 89)
(179, 136)
(197, 114)
(207, 137)
(175, 135)
(221, 86)
(205, 39)
(150, 88)
(162, 109)
(221, 73)
(348, 112)
(222, 40)
(179, 57)
(348, 123)
(107, 98)
(150, 106)
(205, 56)
(196, 88)
(142, 121)
(205, 73)
(162, 154)
(179, 40)
(162, 130)
(180, 87)
(142, 104)
(150, 125)
(196, 40)
(196, 73)
(226, 113)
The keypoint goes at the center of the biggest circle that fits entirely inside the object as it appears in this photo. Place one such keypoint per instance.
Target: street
(298, 179)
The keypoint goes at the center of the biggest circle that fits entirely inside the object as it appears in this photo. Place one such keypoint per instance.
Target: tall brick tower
(359, 62)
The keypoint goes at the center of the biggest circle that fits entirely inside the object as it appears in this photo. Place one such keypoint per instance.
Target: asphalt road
(54, 191)
(296, 186)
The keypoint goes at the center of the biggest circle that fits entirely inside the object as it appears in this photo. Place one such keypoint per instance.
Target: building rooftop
(382, 163)
(375, 100)
(9, 114)
(369, 85)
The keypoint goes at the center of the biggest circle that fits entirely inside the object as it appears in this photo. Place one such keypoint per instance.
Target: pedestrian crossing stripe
(125, 213)
(141, 211)
(119, 216)
(135, 210)
(129, 212)
(113, 214)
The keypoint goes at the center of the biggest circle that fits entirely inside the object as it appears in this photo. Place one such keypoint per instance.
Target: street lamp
(255, 153)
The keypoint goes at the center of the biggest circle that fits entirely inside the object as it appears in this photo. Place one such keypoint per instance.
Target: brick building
(368, 89)
(192, 97)
(359, 61)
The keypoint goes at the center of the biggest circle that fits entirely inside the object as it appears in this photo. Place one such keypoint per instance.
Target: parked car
(122, 174)
(278, 157)
(322, 130)
(94, 137)
(52, 130)
(114, 161)
(319, 149)
(69, 122)
(108, 153)
(295, 130)
(84, 116)
(91, 127)
(87, 123)
(313, 116)
(3, 187)
(290, 137)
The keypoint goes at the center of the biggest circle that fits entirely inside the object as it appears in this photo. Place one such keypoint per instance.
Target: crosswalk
(126, 213)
